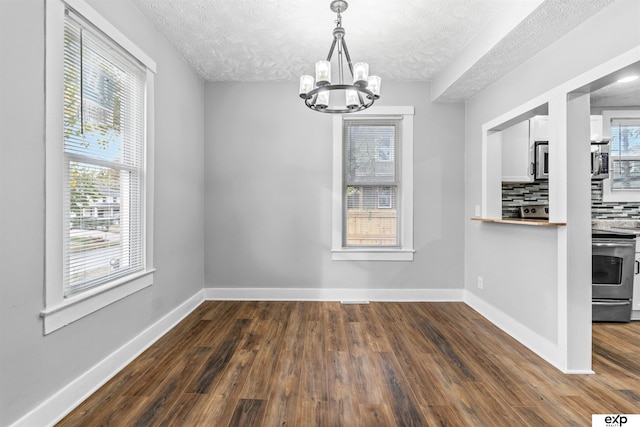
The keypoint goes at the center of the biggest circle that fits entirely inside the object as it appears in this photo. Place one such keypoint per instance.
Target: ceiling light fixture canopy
(357, 96)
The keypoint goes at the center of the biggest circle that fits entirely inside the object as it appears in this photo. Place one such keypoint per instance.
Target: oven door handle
(611, 303)
(612, 245)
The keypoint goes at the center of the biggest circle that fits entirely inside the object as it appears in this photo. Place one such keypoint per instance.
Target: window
(625, 153)
(624, 129)
(370, 174)
(99, 175)
(373, 173)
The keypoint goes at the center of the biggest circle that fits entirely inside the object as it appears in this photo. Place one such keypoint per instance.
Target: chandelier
(357, 96)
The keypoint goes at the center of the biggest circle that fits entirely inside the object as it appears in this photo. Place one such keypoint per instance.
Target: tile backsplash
(516, 195)
(617, 210)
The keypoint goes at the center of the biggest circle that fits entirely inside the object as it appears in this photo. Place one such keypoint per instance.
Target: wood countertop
(522, 221)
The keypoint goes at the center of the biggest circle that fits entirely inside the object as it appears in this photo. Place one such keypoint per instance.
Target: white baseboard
(544, 348)
(330, 294)
(577, 372)
(65, 400)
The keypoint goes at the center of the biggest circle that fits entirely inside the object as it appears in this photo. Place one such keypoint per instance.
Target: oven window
(606, 270)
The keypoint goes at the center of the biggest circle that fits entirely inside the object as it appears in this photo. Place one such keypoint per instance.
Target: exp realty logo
(613, 420)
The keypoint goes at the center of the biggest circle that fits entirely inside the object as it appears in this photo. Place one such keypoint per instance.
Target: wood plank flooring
(232, 363)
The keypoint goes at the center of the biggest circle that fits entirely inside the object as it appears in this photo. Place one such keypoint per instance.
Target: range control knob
(533, 210)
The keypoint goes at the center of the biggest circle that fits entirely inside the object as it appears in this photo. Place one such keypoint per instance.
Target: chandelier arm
(333, 45)
(340, 66)
(346, 55)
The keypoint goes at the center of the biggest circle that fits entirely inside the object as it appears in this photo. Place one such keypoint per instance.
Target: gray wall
(268, 192)
(33, 366)
(519, 263)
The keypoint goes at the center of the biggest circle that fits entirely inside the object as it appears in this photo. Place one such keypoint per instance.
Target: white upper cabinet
(596, 128)
(517, 153)
(540, 128)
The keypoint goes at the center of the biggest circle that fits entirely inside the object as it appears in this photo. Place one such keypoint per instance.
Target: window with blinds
(103, 171)
(625, 153)
(371, 182)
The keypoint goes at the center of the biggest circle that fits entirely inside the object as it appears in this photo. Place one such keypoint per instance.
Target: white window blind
(371, 182)
(104, 146)
(625, 153)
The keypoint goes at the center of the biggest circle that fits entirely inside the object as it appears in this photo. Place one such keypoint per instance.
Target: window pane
(625, 145)
(625, 137)
(103, 241)
(104, 100)
(370, 153)
(626, 174)
(371, 216)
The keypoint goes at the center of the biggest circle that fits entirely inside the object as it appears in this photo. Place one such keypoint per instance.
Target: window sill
(79, 306)
(372, 254)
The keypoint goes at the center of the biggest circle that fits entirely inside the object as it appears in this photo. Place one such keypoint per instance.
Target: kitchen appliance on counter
(613, 265)
(534, 211)
(599, 160)
(541, 160)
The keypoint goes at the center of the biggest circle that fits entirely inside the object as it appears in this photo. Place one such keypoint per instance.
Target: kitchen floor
(616, 349)
(388, 364)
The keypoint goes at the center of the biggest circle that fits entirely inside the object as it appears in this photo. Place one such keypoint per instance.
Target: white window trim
(404, 253)
(59, 310)
(608, 193)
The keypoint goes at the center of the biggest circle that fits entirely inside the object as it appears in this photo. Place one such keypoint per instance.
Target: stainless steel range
(613, 264)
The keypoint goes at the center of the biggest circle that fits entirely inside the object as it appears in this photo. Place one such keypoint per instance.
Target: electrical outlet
(480, 283)
(478, 210)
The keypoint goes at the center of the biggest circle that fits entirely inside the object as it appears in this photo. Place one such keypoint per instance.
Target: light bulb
(360, 73)
(306, 85)
(322, 100)
(323, 73)
(353, 101)
(374, 85)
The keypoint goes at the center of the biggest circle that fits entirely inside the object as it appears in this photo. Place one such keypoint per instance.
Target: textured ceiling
(543, 26)
(617, 95)
(268, 40)
(251, 40)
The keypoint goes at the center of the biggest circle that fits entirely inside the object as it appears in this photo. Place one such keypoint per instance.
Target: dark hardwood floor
(381, 364)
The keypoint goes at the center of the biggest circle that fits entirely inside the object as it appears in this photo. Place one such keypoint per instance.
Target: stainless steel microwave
(599, 160)
(541, 165)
